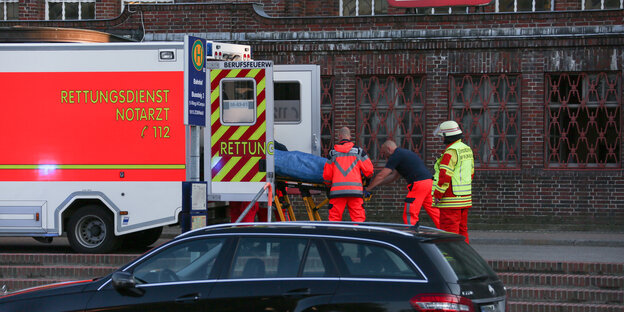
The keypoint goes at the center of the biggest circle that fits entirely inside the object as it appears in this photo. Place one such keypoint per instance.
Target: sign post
(194, 100)
(194, 191)
(195, 104)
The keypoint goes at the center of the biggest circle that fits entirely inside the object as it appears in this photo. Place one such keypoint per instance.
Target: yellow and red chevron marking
(237, 150)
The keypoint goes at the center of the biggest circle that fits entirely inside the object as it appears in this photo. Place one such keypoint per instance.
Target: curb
(547, 242)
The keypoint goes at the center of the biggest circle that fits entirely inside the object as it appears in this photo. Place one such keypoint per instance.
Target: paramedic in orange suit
(407, 164)
(343, 171)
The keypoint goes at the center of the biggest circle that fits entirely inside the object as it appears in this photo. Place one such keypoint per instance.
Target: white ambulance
(96, 140)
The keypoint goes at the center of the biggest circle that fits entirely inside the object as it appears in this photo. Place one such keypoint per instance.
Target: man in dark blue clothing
(407, 164)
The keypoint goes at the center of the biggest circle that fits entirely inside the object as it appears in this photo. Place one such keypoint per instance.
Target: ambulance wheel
(142, 239)
(91, 230)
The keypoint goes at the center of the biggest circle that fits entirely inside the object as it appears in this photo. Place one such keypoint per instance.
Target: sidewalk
(568, 238)
(555, 246)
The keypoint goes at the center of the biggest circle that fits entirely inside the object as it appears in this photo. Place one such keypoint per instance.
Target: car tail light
(441, 303)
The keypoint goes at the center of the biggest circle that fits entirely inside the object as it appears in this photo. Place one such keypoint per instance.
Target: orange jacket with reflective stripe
(343, 171)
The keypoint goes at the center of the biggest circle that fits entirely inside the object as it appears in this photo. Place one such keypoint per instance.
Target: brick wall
(31, 10)
(107, 9)
(435, 46)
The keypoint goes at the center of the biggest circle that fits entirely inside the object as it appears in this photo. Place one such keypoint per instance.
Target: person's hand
(435, 201)
(367, 195)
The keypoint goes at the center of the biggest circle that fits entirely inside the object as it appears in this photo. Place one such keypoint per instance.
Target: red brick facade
(437, 47)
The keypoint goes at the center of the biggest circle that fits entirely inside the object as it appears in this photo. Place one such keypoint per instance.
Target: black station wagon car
(288, 266)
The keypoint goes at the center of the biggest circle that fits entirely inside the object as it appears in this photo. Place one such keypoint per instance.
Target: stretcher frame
(282, 200)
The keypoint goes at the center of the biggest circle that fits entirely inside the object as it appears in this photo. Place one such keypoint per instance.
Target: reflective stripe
(355, 152)
(455, 202)
(462, 189)
(445, 167)
(340, 154)
(437, 188)
(343, 193)
(346, 184)
(345, 172)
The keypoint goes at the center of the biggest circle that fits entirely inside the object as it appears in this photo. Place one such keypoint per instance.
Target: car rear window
(363, 259)
(465, 261)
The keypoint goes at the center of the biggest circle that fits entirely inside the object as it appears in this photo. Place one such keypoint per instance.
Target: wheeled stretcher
(285, 185)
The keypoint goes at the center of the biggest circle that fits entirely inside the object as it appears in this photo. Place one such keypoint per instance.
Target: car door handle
(298, 292)
(188, 298)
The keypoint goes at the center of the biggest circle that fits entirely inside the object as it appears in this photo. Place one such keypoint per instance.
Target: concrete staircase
(532, 286)
(543, 286)
(24, 270)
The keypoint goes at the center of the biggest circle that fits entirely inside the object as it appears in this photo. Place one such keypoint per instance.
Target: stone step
(524, 306)
(66, 259)
(565, 295)
(608, 282)
(52, 272)
(555, 267)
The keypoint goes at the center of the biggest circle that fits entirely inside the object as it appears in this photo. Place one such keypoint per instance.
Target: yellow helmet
(447, 128)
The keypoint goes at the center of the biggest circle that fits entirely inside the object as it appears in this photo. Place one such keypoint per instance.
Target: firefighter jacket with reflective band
(452, 180)
(343, 171)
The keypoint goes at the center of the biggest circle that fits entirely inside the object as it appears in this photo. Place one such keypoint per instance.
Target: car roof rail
(397, 228)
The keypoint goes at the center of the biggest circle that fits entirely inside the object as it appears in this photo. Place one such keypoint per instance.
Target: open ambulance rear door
(297, 91)
(238, 139)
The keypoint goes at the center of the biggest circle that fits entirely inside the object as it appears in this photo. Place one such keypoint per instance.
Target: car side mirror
(123, 280)
(125, 283)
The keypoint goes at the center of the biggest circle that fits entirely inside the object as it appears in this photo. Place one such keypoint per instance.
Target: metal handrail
(255, 199)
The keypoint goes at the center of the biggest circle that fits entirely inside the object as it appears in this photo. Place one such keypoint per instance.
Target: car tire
(91, 230)
(143, 238)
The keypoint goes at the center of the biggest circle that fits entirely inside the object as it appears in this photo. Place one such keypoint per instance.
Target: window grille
(488, 110)
(390, 107)
(70, 9)
(583, 120)
(9, 10)
(363, 7)
(327, 114)
(601, 4)
(524, 5)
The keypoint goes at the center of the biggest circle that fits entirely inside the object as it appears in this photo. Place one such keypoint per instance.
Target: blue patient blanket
(299, 165)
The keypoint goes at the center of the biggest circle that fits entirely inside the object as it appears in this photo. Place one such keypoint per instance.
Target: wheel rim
(90, 231)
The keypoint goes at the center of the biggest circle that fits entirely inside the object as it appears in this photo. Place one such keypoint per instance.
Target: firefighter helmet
(447, 128)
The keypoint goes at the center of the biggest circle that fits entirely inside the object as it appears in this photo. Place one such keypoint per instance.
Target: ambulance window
(238, 101)
(287, 102)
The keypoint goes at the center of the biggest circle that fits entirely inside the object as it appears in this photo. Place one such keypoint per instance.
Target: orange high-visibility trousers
(356, 211)
(419, 195)
(455, 220)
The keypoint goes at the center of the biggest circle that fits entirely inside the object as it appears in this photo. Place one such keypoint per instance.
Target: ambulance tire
(142, 239)
(91, 230)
